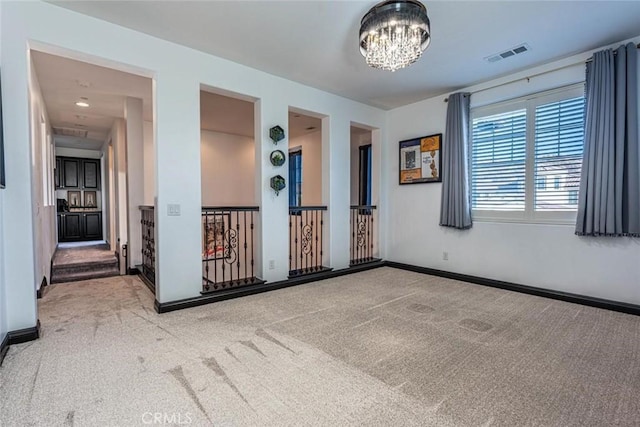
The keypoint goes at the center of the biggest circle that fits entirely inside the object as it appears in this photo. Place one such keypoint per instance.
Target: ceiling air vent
(78, 133)
(508, 53)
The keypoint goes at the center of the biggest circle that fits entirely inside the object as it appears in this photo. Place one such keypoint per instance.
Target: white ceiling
(225, 114)
(64, 81)
(316, 42)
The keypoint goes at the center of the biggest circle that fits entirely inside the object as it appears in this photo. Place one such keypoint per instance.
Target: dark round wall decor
(277, 158)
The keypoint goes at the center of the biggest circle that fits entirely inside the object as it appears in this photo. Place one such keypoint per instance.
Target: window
(364, 191)
(519, 146)
(295, 178)
(541, 183)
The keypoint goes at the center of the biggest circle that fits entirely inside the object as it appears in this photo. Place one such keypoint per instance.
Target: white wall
(78, 152)
(178, 73)
(135, 178)
(3, 296)
(311, 146)
(120, 206)
(43, 202)
(545, 256)
(148, 164)
(227, 169)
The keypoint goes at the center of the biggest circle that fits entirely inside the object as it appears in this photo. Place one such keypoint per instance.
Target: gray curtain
(455, 210)
(609, 201)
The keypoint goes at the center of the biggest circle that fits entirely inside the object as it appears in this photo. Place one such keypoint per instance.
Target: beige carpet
(379, 348)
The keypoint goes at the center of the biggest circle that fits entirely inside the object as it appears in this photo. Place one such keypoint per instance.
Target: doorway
(230, 214)
(307, 210)
(94, 125)
(363, 218)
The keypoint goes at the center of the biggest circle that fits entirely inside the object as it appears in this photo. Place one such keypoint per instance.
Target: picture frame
(73, 197)
(420, 160)
(215, 236)
(90, 199)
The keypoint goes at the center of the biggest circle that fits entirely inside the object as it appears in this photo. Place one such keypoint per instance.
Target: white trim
(529, 102)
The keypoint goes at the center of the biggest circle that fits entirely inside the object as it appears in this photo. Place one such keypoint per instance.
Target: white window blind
(526, 157)
(559, 138)
(498, 160)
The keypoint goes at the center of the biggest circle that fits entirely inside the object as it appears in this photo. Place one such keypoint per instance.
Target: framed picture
(90, 200)
(74, 199)
(215, 231)
(421, 159)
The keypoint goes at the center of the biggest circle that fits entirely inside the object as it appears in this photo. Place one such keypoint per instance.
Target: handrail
(231, 208)
(307, 208)
(146, 207)
(364, 207)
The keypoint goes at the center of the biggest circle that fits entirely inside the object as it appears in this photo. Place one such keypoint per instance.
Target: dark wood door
(91, 174)
(72, 226)
(93, 226)
(58, 171)
(70, 173)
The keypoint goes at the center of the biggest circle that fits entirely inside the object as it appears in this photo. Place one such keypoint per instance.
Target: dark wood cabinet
(91, 174)
(76, 226)
(71, 226)
(78, 173)
(92, 225)
(70, 173)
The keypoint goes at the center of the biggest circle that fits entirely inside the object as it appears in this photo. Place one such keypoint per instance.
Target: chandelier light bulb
(394, 33)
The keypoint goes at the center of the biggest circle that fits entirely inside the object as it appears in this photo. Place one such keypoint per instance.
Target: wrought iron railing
(228, 247)
(363, 238)
(148, 244)
(306, 225)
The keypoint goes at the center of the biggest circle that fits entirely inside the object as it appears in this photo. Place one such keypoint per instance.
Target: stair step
(97, 265)
(62, 277)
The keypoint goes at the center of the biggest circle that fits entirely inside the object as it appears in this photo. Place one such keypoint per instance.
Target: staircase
(73, 263)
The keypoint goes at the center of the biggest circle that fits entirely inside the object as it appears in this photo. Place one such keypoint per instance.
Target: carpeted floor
(82, 261)
(383, 347)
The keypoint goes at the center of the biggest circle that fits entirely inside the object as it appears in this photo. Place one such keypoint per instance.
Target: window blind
(498, 161)
(559, 138)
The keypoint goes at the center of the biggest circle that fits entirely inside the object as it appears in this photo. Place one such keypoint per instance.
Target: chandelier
(394, 33)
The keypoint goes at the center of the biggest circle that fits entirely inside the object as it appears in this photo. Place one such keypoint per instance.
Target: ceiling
(316, 42)
(64, 81)
(225, 114)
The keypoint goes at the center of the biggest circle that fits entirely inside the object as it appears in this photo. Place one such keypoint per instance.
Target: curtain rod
(532, 76)
(614, 52)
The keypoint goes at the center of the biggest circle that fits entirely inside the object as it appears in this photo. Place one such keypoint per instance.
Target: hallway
(83, 261)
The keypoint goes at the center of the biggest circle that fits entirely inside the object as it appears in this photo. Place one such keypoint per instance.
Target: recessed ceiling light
(83, 103)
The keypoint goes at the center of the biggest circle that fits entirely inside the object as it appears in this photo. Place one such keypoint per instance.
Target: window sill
(538, 221)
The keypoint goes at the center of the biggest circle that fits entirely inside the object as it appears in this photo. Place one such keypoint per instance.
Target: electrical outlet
(272, 264)
(445, 256)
